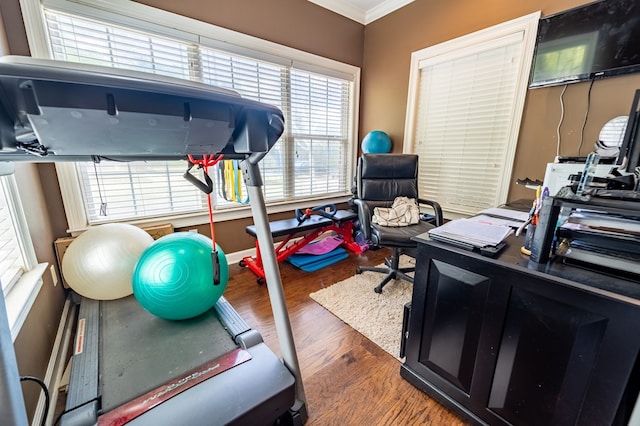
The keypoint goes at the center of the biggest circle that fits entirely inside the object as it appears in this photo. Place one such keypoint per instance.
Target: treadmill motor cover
(59, 111)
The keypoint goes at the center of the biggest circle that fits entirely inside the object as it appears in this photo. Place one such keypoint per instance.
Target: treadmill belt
(140, 351)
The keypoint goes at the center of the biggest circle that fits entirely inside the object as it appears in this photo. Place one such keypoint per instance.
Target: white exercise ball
(99, 263)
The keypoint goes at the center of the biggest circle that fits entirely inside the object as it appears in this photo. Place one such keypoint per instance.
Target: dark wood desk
(511, 341)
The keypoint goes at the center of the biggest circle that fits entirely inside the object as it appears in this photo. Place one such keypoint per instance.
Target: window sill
(241, 212)
(22, 296)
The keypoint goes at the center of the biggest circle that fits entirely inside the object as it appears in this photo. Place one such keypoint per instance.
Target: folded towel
(321, 247)
(403, 212)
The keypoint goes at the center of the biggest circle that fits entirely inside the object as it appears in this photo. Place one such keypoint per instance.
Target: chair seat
(400, 236)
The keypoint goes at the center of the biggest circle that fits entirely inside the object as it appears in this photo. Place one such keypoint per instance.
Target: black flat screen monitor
(629, 156)
(597, 40)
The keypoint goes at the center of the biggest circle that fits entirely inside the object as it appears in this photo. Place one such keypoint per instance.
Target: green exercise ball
(173, 279)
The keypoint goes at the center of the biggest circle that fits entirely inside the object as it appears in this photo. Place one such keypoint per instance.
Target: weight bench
(313, 226)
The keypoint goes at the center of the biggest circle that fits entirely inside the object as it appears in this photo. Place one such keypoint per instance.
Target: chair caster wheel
(377, 290)
(358, 271)
(242, 263)
(261, 281)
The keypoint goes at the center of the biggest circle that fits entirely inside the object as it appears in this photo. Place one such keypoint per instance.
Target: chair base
(393, 271)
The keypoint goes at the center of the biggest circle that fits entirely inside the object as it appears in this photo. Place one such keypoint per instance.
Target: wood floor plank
(348, 379)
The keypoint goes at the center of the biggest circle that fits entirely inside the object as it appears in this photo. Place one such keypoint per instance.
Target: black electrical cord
(564, 89)
(46, 395)
(586, 115)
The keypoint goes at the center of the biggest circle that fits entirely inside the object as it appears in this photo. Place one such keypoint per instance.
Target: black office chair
(380, 179)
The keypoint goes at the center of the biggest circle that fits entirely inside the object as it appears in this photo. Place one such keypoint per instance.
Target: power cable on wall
(586, 115)
(564, 89)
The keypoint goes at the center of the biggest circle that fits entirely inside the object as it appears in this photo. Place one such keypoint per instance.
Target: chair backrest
(383, 177)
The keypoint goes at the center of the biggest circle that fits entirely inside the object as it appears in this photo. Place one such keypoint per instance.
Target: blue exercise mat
(313, 262)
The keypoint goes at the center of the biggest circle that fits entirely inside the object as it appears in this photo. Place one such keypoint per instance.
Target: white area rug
(376, 316)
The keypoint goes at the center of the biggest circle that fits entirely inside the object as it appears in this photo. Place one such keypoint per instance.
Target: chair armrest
(436, 208)
(364, 216)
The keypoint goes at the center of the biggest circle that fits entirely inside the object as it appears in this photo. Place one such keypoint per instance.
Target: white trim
(71, 196)
(57, 363)
(359, 14)
(437, 55)
(195, 219)
(343, 8)
(7, 168)
(237, 256)
(21, 227)
(22, 296)
(634, 420)
(524, 23)
(35, 28)
(131, 17)
(384, 9)
(353, 132)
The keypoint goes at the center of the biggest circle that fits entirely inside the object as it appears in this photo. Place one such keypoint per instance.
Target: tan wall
(4, 43)
(390, 41)
(295, 23)
(13, 28)
(35, 341)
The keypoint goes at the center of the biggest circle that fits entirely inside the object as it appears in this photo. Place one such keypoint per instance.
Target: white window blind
(311, 160)
(82, 40)
(12, 264)
(319, 132)
(124, 190)
(16, 251)
(468, 104)
(20, 273)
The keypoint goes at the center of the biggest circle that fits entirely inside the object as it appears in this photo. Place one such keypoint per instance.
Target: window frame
(146, 18)
(466, 45)
(20, 297)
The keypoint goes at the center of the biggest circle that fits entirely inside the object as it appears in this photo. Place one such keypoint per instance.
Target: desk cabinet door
(563, 357)
(453, 318)
(545, 359)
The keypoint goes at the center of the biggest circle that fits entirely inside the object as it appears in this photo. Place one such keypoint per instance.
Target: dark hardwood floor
(348, 380)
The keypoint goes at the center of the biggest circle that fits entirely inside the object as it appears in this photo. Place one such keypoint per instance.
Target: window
(463, 117)
(313, 159)
(20, 274)
(13, 262)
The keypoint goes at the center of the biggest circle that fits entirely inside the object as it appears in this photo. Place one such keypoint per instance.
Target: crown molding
(383, 9)
(359, 14)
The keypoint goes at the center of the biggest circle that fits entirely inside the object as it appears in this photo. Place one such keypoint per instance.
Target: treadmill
(130, 367)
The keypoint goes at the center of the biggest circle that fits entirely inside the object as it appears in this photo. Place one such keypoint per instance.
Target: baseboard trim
(57, 363)
(237, 256)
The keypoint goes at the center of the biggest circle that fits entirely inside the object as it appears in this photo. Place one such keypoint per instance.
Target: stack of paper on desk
(602, 233)
(507, 214)
(471, 232)
(603, 223)
(492, 220)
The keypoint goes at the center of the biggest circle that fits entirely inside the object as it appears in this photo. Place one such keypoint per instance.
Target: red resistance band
(206, 162)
